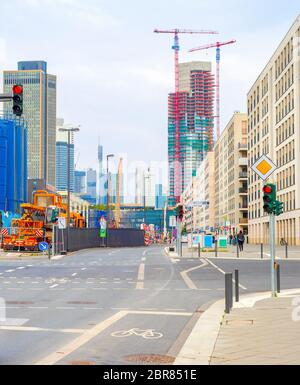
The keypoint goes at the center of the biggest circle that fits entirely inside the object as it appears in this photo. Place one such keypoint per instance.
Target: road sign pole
(272, 252)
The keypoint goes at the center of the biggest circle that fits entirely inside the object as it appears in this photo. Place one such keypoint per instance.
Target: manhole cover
(19, 303)
(82, 303)
(150, 358)
(82, 363)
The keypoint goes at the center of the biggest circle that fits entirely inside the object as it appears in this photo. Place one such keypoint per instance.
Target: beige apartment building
(231, 177)
(274, 130)
(201, 190)
(204, 186)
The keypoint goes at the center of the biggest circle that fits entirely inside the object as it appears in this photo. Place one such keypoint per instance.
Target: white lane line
(74, 275)
(184, 274)
(9, 271)
(53, 286)
(83, 269)
(141, 277)
(33, 329)
(223, 272)
(87, 336)
(144, 259)
(21, 268)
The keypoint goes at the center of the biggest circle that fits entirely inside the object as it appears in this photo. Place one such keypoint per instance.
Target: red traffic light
(17, 90)
(267, 189)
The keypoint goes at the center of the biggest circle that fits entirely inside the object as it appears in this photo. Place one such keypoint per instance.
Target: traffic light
(54, 216)
(18, 100)
(269, 198)
(278, 208)
(180, 213)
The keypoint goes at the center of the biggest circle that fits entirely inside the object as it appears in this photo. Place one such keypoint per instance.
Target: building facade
(274, 130)
(149, 188)
(62, 151)
(91, 186)
(196, 110)
(13, 165)
(139, 186)
(80, 182)
(40, 115)
(204, 185)
(231, 177)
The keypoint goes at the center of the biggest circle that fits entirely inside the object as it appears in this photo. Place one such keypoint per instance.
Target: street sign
(173, 221)
(103, 227)
(222, 242)
(62, 224)
(43, 246)
(264, 167)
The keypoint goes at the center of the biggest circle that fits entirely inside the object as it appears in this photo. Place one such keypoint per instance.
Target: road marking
(141, 276)
(90, 334)
(81, 340)
(21, 268)
(83, 269)
(33, 329)
(144, 259)
(9, 271)
(184, 274)
(74, 275)
(53, 286)
(224, 273)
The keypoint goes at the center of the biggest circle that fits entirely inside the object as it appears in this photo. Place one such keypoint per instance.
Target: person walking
(241, 240)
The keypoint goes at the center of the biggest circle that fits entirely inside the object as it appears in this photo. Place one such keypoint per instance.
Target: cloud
(152, 76)
(79, 12)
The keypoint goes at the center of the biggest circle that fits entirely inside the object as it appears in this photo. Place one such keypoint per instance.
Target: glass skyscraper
(39, 114)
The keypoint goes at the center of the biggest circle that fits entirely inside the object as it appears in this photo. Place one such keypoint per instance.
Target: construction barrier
(22, 239)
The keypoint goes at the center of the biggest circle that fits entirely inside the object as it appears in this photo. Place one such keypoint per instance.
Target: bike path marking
(149, 334)
(88, 335)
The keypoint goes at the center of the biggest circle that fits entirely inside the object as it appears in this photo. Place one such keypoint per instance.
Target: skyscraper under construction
(196, 109)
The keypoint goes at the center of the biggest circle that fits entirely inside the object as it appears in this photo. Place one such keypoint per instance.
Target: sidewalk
(263, 335)
(7, 256)
(250, 252)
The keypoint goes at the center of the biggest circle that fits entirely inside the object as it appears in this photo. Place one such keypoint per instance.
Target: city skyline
(152, 73)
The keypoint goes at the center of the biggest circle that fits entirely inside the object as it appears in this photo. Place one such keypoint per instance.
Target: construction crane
(176, 48)
(217, 45)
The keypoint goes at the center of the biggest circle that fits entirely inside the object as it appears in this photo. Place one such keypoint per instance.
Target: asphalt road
(106, 306)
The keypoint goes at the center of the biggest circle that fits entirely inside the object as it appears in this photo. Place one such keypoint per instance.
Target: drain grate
(150, 358)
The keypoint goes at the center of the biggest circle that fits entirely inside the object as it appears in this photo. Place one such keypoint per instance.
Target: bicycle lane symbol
(149, 334)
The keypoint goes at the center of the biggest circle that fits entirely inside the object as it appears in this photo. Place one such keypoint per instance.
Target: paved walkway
(250, 252)
(264, 334)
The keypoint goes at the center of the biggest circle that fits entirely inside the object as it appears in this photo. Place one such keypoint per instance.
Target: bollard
(262, 250)
(237, 286)
(286, 251)
(277, 266)
(199, 250)
(216, 248)
(228, 293)
(237, 250)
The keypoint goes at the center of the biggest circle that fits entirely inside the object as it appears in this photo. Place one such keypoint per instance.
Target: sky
(114, 74)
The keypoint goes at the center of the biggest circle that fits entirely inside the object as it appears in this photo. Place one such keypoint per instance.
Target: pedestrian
(241, 240)
(230, 239)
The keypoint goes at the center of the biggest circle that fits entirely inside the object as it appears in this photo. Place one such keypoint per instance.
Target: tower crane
(176, 48)
(217, 45)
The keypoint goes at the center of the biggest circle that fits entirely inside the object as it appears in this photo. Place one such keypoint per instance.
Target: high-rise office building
(149, 188)
(91, 185)
(62, 148)
(160, 197)
(80, 182)
(40, 115)
(139, 186)
(13, 165)
(196, 110)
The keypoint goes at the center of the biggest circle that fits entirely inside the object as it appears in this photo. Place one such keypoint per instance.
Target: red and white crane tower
(176, 48)
(217, 45)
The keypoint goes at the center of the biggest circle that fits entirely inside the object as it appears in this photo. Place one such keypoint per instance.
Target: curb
(199, 347)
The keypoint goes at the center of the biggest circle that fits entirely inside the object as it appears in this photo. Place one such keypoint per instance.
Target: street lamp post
(69, 129)
(107, 198)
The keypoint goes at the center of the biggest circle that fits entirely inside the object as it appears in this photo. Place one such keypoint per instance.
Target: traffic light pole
(272, 252)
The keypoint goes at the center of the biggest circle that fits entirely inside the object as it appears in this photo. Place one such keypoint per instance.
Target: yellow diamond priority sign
(264, 167)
